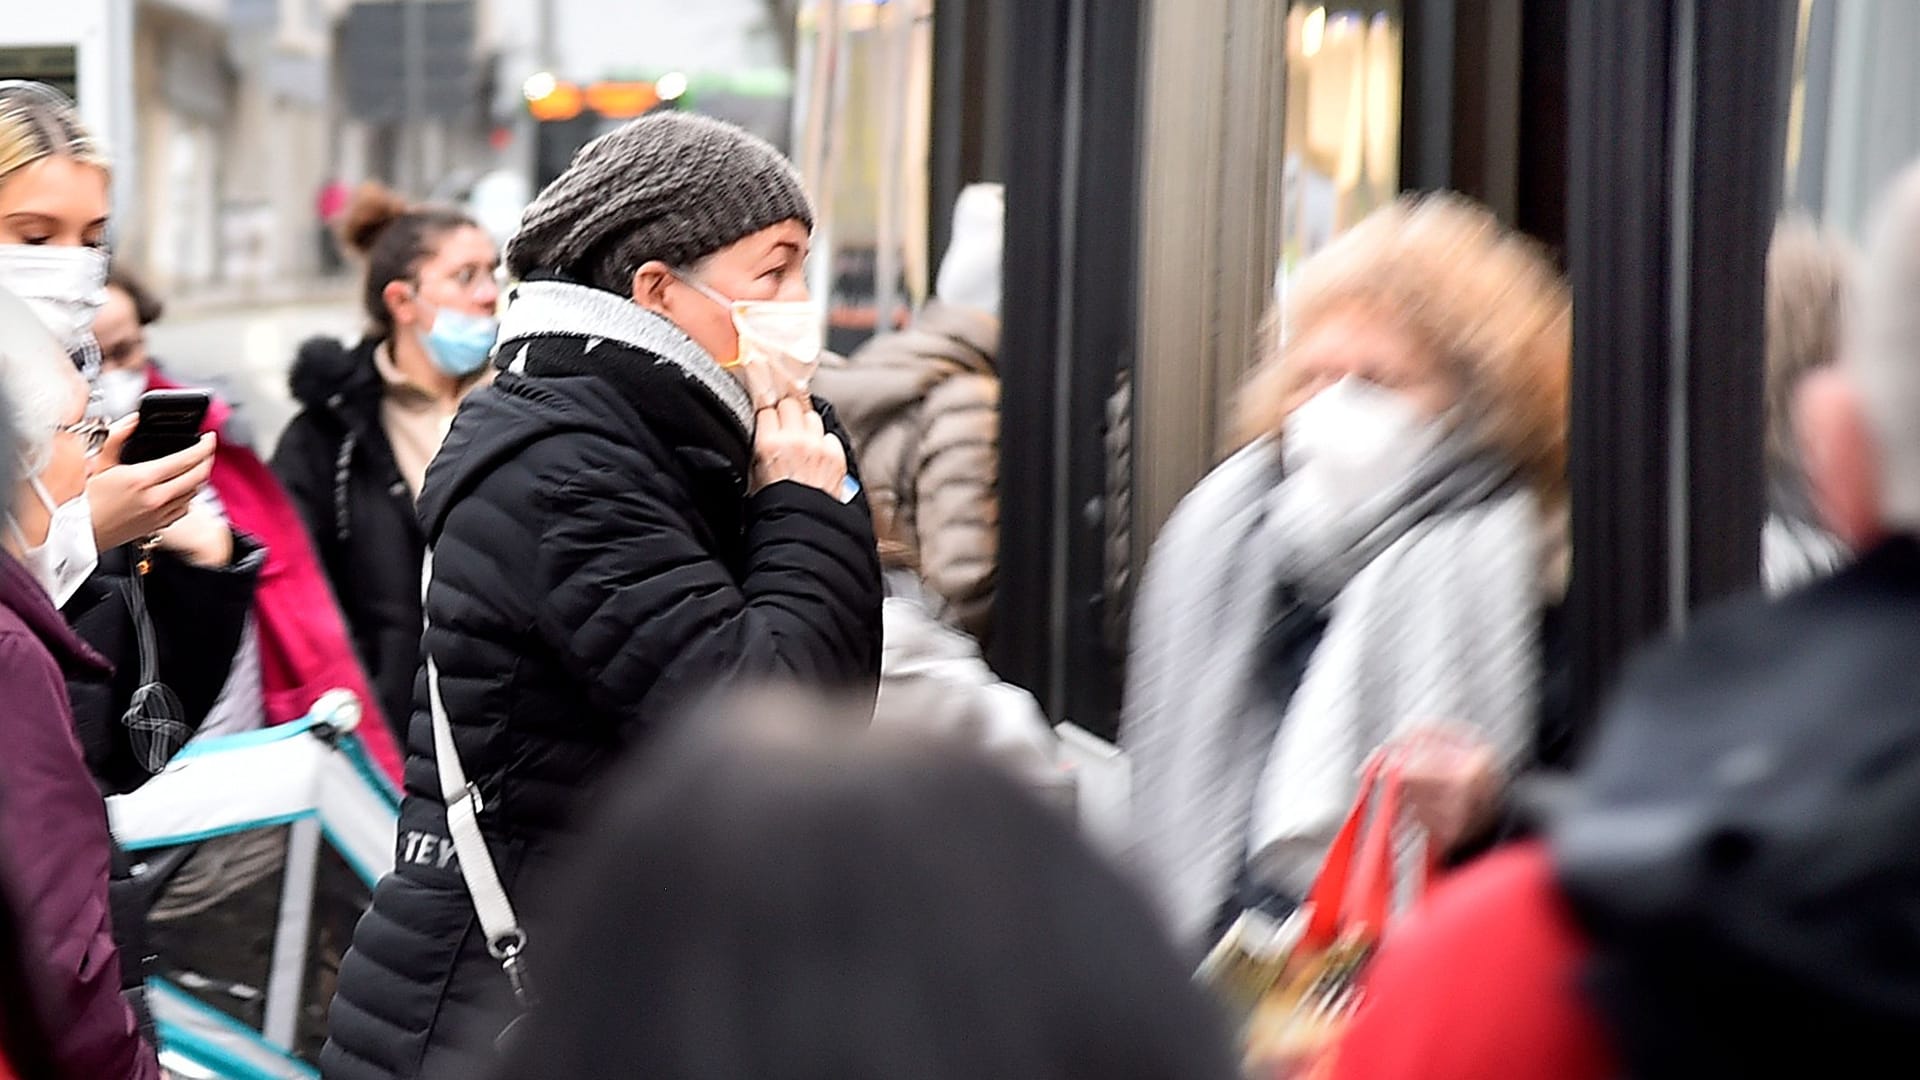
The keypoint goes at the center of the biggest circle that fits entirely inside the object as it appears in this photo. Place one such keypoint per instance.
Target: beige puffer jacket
(923, 408)
(934, 681)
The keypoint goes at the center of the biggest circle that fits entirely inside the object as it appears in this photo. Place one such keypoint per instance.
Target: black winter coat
(338, 467)
(598, 563)
(1740, 845)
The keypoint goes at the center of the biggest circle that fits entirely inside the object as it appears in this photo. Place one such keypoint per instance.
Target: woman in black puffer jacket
(646, 505)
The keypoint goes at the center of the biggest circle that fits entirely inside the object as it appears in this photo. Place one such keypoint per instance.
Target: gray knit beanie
(671, 186)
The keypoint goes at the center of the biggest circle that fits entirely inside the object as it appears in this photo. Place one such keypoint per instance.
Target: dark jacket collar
(22, 595)
(329, 377)
(604, 387)
(550, 308)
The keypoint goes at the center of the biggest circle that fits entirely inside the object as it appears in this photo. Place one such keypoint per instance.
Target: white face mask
(1352, 443)
(65, 286)
(67, 556)
(120, 391)
(780, 345)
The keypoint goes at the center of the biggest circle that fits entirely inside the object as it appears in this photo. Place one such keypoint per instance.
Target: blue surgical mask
(458, 343)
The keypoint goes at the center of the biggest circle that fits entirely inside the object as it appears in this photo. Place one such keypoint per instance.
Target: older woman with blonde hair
(1371, 566)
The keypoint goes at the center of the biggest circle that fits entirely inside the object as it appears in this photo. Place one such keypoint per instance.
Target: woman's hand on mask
(790, 442)
(131, 502)
(202, 538)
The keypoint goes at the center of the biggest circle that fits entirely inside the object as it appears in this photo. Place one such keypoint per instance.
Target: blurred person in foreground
(298, 646)
(1375, 565)
(55, 850)
(1731, 889)
(372, 416)
(923, 407)
(774, 894)
(645, 505)
(1809, 279)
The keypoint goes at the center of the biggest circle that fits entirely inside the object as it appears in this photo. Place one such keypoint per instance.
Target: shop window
(1853, 118)
(862, 111)
(1342, 120)
(55, 65)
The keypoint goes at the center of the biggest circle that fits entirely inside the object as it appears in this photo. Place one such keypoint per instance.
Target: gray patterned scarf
(1432, 595)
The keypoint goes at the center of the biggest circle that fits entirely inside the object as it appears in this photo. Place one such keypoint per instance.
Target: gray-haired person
(1809, 278)
(645, 505)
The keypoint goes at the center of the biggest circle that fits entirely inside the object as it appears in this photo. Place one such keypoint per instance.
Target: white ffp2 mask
(67, 557)
(64, 285)
(1353, 443)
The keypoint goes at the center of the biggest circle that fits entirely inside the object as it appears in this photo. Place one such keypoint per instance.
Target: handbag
(1296, 985)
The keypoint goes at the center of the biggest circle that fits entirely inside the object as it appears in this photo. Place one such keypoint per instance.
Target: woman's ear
(650, 286)
(401, 302)
(1840, 457)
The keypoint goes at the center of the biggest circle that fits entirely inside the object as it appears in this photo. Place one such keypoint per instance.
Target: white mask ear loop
(46, 500)
(733, 316)
(704, 290)
(45, 496)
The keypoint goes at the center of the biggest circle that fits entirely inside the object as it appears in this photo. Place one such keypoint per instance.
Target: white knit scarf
(1433, 596)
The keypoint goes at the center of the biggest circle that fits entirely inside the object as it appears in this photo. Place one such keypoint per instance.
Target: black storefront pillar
(1676, 121)
(970, 55)
(1068, 312)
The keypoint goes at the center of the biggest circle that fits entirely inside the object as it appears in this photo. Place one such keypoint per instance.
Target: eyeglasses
(124, 351)
(93, 429)
(469, 280)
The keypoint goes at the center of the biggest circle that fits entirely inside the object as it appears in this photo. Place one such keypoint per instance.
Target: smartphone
(170, 422)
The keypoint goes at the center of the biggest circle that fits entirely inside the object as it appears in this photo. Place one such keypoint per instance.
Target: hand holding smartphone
(151, 468)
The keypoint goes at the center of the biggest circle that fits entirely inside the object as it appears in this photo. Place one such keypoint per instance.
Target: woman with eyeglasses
(53, 822)
(374, 416)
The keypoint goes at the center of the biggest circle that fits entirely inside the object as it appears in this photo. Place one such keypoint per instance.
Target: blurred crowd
(666, 625)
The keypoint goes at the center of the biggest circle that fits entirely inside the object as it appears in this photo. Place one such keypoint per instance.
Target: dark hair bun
(374, 207)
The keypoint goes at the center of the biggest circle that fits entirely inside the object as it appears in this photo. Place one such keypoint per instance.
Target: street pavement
(249, 350)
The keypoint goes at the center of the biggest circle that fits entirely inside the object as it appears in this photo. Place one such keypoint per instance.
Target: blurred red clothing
(1483, 981)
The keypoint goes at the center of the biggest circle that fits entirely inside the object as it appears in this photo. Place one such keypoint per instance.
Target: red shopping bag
(1315, 988)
